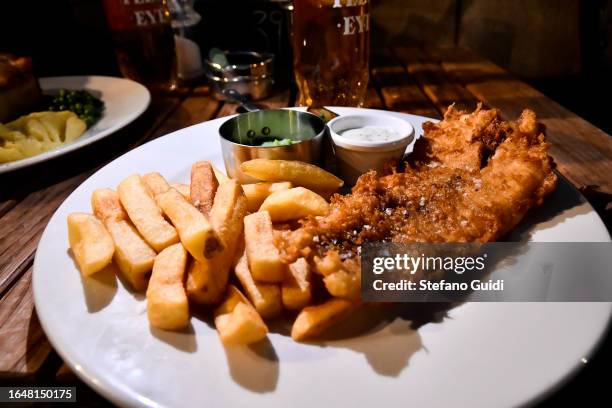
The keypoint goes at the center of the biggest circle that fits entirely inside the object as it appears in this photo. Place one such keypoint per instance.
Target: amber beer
(331, 45)
(144, 41)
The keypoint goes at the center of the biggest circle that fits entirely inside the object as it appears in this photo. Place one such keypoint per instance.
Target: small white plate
(479, 355)
(124, 101)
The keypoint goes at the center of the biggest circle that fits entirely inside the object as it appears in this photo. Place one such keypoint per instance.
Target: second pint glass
(331, 46)
(144, 41)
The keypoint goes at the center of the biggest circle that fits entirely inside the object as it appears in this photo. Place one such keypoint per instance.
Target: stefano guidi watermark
(500, 271)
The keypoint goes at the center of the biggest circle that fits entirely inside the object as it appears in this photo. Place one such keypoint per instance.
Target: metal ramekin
(305, 127)
(249, 73)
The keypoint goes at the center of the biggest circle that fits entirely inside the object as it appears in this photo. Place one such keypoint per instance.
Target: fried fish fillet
(471, 178)
(462, 140)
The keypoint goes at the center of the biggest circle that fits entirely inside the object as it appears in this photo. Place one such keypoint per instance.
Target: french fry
(201, 285)
(312, 320)
(155, 184)
(145, 214)
(203, 186)
(232, 297)
(237, 321)
(184, 189)
(133, 256)
(194, 229)
(206, 280)
(256, 193)
(228, 210)
(263, 256)
(91, 244)
(106, 206)
(299, 173)
(221, 176)
(294, 203)
(296, 290)
(167, 306)
(265, 297)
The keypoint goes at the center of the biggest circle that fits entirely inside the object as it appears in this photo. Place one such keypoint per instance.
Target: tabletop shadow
(255, 367)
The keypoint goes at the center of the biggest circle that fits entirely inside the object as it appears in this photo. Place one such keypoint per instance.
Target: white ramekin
(355, 157)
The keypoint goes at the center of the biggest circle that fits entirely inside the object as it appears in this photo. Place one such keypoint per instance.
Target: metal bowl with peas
(270, 134)
(82, 103)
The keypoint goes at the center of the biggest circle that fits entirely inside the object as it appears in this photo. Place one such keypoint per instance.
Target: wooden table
(410, 80)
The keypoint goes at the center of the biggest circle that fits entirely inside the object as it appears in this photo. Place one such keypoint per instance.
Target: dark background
(561, 47)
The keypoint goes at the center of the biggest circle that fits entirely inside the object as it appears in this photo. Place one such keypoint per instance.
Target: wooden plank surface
(21, 228)
(23, 345)
(398, 89)
(583, 152)
(436, 84)
(191, 111)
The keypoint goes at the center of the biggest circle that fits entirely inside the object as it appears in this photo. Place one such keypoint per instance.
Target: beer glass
(144, 41)
(331, 46)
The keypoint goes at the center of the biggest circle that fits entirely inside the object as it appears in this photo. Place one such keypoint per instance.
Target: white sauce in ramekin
(372, 134)
(368, 141)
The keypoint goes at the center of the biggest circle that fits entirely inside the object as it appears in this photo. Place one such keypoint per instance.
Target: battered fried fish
(471, 178)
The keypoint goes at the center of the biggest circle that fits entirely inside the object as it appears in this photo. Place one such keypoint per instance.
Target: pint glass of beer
(331, 47)
(144, 41)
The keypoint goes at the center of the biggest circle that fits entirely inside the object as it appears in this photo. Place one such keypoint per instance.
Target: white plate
(124, 101)
(482, 354)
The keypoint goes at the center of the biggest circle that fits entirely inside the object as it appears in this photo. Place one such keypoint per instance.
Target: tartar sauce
(372, 134)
